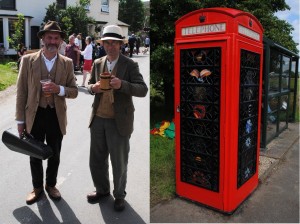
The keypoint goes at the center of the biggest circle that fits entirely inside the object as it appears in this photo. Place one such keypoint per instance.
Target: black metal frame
(200, 116)
(275, 115)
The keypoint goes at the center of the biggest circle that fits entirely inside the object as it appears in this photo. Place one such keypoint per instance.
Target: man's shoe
(34, 195)
(53, 192)
(95, 196)
(119, 204)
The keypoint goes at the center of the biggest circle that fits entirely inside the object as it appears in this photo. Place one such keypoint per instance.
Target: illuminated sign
(249, 33)
(205, 29)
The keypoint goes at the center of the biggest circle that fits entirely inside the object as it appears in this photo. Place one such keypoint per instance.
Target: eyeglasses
(112, 43)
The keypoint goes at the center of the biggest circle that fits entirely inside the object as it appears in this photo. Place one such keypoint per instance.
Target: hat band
(112, 35)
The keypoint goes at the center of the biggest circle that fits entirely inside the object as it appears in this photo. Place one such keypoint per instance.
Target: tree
(74, 19)
(132, 12)
(164, 14)
(16, 38)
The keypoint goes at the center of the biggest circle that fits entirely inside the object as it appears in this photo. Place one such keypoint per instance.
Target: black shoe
(119, 205)
(94, 196)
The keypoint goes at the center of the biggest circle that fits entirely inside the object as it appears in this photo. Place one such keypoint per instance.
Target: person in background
(88, 58)
(21, 51)
(111, 123)
(62, 47)
(138, 44)
(100, 51)
(41, 110)
(78, 43)
(131, 42)
(71, 52)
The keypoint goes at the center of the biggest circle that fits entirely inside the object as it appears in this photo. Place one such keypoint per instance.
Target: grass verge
(162, 169)
(8, 74)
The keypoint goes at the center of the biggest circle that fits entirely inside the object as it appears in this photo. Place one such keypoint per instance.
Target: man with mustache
(41, 110)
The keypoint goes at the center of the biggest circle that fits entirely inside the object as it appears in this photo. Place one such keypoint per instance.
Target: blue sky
(292, 17)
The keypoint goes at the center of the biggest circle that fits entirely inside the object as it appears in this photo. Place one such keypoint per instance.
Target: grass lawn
(162, 156)
(8, 74)
(162, 169)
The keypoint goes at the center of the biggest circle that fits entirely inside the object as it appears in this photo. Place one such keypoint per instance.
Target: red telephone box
(218, 79)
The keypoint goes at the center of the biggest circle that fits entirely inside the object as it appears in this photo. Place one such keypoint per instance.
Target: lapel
(36, 69)
(102, 64)
(121, 67)
(59, 68)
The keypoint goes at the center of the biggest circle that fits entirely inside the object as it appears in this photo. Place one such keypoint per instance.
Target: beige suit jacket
(29, 89)
(132, 85)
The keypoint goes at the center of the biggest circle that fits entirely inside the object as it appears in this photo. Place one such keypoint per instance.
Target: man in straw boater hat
(111, 123)
(41, 109)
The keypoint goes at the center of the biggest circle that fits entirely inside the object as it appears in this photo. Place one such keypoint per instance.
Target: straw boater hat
(112, 32)
(51, 26)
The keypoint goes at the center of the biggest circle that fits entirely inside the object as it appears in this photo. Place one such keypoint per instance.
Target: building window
(1, 31)
(105, 6)
(61, 4)
(8, 4)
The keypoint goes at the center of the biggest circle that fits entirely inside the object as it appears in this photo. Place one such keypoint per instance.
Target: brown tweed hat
(51, 26)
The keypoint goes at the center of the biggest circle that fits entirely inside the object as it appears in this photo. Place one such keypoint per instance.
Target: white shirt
(49, 65)
(88, 52)
(110, 65)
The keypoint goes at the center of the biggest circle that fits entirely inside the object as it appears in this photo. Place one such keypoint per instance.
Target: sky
(292, 17)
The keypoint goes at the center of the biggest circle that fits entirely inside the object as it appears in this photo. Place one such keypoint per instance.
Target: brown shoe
(94, 196)
(53, 192)
(34, 195)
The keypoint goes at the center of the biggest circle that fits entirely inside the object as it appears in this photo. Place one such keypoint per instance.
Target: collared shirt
(49, 65)
(110, 65)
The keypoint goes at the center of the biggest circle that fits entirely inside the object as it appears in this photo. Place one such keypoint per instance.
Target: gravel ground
(4, 94)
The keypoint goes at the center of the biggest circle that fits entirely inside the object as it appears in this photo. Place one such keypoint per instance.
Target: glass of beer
(43, 82)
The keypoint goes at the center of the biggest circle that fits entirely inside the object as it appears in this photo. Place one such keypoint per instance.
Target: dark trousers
(131, 48)
(106, 141)
(46, 127)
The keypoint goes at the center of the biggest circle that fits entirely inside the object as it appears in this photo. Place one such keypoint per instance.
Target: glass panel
(285, 75)
(61, 4)
(248, 116)
(274, 72)
(1, 31)
(105, 6)
(8, 4)
(272, 118)
(200, 116)
(283, 112)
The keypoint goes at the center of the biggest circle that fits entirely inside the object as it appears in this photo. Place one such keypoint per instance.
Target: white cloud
(292, 17)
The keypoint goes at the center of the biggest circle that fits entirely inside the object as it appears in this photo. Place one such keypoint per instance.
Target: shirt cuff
(61, 91)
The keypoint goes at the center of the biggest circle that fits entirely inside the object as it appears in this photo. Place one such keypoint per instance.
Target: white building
(104, 12)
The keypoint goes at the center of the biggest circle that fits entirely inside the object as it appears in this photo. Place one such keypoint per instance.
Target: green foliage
(74, 19)
(8, 74)
(132, 12)
(16, 37)
(162, 169)
(84, 2)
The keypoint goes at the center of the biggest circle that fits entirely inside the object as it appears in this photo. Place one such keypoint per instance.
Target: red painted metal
(230, 30)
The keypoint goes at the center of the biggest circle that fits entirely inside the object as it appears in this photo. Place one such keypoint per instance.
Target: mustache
(51, 46)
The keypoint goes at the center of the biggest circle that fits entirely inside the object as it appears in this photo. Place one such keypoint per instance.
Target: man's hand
(115, 82)
(51, 88)
(96, 87)
(21, 129)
